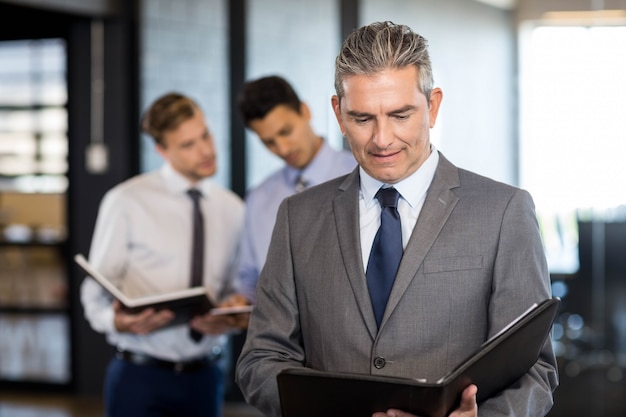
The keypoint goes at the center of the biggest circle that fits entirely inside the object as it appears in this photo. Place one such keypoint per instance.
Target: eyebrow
(408, 107)
(358, 114)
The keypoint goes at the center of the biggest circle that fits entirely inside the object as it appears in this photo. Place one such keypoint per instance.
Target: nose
(382, 134)
(206, 148)
(282, 146)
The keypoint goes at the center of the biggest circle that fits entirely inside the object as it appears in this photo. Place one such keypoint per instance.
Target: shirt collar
(412, 188)
(176, 183)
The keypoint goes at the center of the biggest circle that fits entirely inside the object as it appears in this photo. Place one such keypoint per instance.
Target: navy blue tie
(197, 251)
(386, 253)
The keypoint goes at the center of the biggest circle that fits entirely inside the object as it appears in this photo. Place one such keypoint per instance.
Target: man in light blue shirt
(272, 110)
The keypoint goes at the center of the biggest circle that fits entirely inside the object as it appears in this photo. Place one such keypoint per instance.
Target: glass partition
(34, 322)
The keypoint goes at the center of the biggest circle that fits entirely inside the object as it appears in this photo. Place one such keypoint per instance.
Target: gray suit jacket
(474, 262)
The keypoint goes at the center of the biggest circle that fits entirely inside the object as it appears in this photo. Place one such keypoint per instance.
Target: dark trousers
(133, 390)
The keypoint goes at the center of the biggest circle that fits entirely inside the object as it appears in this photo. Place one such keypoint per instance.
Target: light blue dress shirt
(262, 206)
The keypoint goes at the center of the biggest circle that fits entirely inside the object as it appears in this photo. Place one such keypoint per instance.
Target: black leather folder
(498, 363)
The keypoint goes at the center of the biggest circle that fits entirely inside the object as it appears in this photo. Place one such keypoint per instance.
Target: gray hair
(383, 45)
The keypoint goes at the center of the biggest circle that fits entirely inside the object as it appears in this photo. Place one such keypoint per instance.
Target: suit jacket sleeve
(521, 269)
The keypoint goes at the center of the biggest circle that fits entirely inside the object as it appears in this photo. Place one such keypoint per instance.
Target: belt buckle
(215, 354)
(179, 367)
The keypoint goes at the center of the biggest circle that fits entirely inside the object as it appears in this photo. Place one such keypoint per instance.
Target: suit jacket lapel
(346, 210)
(439, 203)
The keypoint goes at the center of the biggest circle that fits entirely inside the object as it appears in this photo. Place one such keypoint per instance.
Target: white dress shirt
(142, 242)
(412, 195)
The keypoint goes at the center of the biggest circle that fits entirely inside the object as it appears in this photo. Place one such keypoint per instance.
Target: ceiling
(502, 4)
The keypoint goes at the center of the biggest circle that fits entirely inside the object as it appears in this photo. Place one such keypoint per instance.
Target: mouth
(206, 164)
(384, 156)
(292, 158)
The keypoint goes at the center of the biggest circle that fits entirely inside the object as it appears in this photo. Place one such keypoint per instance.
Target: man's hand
(144, 322)
(223, 323)
(468, 407)
(241, 319)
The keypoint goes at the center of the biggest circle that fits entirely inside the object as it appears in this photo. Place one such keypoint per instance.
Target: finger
(468, 406)
(147, 320)
(397, 413)
(235, 300)
(242, 320)
(220, 319)
(469, 394)
(158, 319)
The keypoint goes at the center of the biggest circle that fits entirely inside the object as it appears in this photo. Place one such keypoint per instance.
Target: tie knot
(388, 197)
(301, 183)
(195, 194)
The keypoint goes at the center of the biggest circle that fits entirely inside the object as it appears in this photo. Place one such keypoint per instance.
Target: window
(33, 117)
(34, 324)
(573, 130)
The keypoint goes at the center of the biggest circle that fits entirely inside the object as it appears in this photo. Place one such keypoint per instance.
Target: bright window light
(572, 129)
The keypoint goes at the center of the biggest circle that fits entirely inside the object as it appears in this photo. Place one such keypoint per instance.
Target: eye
(361, 120)
(286, 131)
(401, 116)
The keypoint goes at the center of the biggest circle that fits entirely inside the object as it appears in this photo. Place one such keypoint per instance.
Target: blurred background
(534, 96)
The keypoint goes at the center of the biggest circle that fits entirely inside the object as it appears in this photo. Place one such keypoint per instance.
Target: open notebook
(185, 303)
(499, 362)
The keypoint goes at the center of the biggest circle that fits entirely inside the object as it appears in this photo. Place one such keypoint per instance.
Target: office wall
(472, 47)
(535, 9)
(183, 48)
(297, 39)
(474, 57)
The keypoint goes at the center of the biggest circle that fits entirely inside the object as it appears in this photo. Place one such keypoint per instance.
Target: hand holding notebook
(498, 363)
(185, 303)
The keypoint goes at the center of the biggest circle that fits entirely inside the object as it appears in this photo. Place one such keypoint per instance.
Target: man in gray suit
(472, 256)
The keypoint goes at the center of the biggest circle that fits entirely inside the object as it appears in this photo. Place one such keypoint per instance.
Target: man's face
(189, 149)
(387, 120)
(288, 135)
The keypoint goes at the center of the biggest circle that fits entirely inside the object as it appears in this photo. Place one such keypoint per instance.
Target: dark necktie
(197, 251)
(301, 183)
(386, 253)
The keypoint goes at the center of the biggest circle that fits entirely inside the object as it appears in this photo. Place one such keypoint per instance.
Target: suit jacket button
(379, 362)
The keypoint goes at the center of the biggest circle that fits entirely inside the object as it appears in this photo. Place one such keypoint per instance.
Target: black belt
(181, 366)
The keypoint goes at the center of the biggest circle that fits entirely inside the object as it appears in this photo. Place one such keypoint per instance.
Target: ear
(305, 111)
(161, 150)
(334, 102)
(436, 95)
